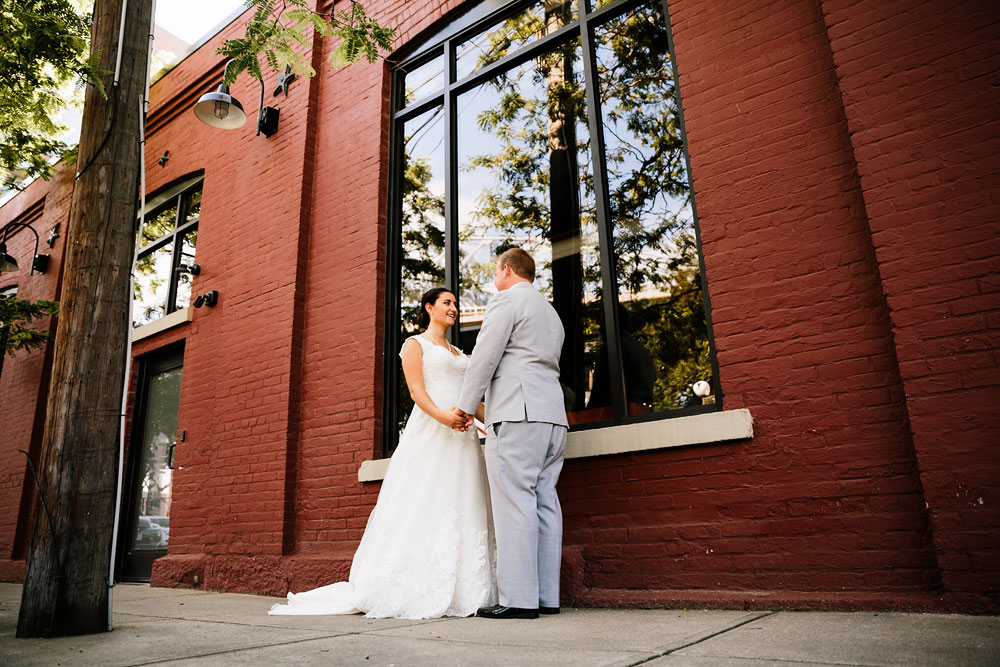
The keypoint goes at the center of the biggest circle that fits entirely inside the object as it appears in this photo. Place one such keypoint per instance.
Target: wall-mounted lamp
(208, 298)
(39, 263)
(193, 269)
(222, 110)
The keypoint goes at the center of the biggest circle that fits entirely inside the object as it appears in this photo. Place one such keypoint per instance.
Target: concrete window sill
(679, 432)
(166, 322)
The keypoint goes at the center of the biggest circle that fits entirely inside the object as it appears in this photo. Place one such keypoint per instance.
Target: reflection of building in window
(637, 367)
(601, 218)
(167, 248)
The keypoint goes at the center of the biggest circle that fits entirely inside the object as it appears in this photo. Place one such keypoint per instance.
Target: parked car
(150, 533)
(164, 523)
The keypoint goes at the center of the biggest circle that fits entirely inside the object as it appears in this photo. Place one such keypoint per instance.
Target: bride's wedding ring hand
(457, 419)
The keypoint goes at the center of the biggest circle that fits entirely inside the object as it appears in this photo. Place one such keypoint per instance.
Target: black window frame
(179, 195)
(469, 23)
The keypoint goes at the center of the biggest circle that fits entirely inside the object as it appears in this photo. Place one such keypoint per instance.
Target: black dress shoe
(548, 610)
(500, 611)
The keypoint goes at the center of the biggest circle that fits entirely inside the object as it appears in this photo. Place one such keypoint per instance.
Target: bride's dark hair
(430, 297)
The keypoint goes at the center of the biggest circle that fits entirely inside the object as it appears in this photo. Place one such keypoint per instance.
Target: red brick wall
(920, 89)
(237, 393)
(825, 500)
(838, 162)
(342, 355)
(43, 205)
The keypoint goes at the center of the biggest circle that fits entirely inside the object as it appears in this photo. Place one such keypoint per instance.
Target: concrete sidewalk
(189, 627)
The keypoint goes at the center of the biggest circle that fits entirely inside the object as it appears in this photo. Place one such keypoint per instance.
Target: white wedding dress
(428, 549)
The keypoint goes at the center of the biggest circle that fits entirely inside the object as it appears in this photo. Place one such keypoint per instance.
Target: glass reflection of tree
(656, 254)
(422, 261)
(151, 275)
(536, 163)
(185, 279)
(536, 199)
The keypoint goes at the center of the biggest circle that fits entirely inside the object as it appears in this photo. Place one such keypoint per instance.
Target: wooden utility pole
(66, 585)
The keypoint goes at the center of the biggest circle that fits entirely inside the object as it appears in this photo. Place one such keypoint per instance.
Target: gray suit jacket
(516, 360)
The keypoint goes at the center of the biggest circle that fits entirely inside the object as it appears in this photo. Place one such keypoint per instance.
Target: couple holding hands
(442, 540)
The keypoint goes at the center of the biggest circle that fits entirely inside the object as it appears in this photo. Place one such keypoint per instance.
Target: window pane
(193, 209)
(152, 285)
(663, 331)
(424, 80)
(508, 36)
(158, 433)
(184, 279)
(526, 180)
(159, 224)
(422, 258)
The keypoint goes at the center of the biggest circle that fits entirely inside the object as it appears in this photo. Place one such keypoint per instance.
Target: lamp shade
(7, 263)
(220, 109)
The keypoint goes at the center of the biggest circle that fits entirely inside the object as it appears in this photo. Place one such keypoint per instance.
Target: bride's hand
(455, 419)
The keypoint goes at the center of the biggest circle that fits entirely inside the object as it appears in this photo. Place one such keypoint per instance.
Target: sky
(191, 19)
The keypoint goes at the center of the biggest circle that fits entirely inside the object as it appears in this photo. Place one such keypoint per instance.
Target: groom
(516, 364)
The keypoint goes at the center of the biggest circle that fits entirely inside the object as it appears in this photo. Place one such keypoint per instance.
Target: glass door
(145, 527)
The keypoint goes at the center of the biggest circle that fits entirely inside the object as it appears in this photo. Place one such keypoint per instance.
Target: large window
(555, 125)
(166, 253)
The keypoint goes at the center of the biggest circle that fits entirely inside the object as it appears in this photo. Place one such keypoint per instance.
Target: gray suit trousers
(523, 462)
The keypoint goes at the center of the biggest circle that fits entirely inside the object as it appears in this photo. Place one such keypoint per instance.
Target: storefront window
(560, 131)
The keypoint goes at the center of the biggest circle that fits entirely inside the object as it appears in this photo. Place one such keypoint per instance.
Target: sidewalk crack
(699, 640)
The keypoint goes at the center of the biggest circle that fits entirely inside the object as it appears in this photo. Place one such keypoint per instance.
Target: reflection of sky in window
(424, 141)
(422, 221)
(424, 80)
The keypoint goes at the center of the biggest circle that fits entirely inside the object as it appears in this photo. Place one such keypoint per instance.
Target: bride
(428, 549)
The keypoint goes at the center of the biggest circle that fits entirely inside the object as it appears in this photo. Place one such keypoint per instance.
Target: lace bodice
(443, 372)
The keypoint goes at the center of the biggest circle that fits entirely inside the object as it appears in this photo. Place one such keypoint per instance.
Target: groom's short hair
(519, 262)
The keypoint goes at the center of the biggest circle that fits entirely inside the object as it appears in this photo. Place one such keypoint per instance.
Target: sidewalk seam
(415, 621)
(333, 635)
(703, 639)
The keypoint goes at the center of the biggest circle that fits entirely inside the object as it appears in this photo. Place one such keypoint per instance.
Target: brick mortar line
(705, 638)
